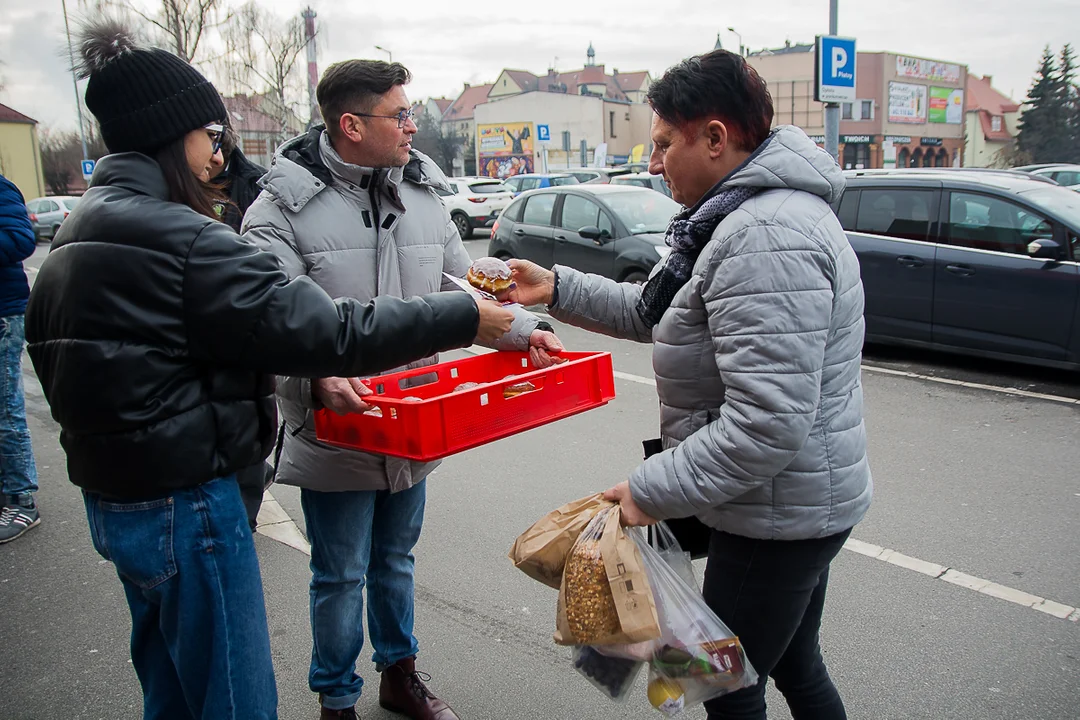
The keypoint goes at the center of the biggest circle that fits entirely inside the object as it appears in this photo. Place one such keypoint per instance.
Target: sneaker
(16, 520)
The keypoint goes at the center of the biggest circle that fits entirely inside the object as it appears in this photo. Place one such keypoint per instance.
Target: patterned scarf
(687, 235)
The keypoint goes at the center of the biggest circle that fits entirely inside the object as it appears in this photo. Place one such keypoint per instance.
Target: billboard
(908, 67)
(946, 105)
(907, 103)
(505, 149)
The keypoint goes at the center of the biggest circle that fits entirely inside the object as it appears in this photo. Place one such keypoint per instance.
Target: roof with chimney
(14, 116)
(465, 105)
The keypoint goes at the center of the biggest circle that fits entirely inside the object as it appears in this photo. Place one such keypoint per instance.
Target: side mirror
(1044, 248)
(590, 232)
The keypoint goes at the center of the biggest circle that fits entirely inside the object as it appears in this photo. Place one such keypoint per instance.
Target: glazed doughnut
(490, 275)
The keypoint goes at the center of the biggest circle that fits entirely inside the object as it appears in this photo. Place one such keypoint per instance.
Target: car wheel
(464, 227)
(504, 256)
(636, 277)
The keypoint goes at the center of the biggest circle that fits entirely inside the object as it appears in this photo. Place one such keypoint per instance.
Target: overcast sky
(446, 43)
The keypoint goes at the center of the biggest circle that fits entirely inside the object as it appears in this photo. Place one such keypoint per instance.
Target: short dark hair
(355, 86)
(720, 85)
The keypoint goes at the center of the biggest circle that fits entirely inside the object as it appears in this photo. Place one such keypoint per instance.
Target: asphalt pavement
(975, 487)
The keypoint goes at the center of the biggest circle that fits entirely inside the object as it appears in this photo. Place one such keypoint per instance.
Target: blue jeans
(358, 538)
(18, 474)
(199, 641)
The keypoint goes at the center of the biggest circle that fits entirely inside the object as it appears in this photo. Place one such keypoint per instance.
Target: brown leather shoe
(402, 690)
(346, 714)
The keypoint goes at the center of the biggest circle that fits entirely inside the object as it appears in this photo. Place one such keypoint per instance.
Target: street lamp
(388, 53)
(733, 30)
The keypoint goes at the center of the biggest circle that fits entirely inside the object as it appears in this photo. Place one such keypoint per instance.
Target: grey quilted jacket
(756, 361)
(357, 232)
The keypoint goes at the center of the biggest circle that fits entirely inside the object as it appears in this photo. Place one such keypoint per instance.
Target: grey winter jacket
(756, 360)
(357, 232)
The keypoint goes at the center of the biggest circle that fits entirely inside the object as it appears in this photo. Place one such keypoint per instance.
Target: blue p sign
(88, 168)
(543, 132)
(835, 69)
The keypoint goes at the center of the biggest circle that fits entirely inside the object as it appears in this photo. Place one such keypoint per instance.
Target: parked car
(655, 182)
(535, 181)
(47, 214)
(1064, 174)
(611, 230)
(978, 263)
(475, 202)
(596, 175)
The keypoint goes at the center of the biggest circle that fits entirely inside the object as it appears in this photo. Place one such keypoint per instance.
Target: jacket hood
(298, 172)
(790, 159)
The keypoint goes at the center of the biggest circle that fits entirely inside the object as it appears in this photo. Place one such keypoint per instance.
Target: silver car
(655, 182)
(48, 213)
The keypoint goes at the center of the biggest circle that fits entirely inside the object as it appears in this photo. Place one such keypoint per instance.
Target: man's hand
(533, 285)
(495, 321)
(632, 515)
(342, 395)
(542, 346)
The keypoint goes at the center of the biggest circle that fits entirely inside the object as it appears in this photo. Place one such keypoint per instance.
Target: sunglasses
(402, 117)
(217, 135)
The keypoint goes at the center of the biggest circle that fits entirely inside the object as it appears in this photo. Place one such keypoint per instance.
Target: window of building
(254, 147)
(845, 110)
(856, 156)
(995, 123)
(611, 122)
(867, 109)
(988, 223)
(897, 212)
(903, 159)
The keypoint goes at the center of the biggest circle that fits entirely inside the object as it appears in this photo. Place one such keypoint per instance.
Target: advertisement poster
(908, 67)
(907, 103)
(946, 105)
(505, 149)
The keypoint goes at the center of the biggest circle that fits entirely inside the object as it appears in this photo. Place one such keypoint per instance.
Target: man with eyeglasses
(354, 207)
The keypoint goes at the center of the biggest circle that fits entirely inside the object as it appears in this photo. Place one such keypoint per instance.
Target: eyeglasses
(217, 135)
(402, 117)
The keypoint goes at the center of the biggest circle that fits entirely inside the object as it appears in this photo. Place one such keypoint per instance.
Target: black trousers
(771, 594)
(253, 481)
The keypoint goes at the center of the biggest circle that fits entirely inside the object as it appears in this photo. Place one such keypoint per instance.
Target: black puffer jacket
(154, 329)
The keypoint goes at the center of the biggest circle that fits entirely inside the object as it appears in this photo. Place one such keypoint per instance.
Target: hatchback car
(977, 263)
(1066, 175)
(655, 182)
(535, 181)
(475, 202)
(596, 175)
(47, 214)
(611, 230)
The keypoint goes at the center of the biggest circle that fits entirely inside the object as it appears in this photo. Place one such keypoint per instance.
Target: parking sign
(834, 69)
(543, 133)
(88, 168)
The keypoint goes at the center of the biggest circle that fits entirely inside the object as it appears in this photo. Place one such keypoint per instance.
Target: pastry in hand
(491, 275)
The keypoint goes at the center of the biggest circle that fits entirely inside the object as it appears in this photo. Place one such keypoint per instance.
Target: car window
(531, 183)
(578, 212)
(896, 212)
(1067, 177)
(585, 177)
(568, 180)
(48, 206)
(538, 210)
(71, 203)
(32, 207)
(642, 210)
(604, 223)
(488, 188)
(513, 213)
(443, 193)
(848, 205)
(988, 223)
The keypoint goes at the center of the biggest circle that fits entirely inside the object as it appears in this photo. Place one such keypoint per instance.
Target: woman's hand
(632, 515)
(533, 285)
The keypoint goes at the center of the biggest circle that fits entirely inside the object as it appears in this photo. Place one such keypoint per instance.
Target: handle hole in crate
(483, 399)
(524, 362)
(453, 372)
(559, 378)
(380, 389)
(416, 381)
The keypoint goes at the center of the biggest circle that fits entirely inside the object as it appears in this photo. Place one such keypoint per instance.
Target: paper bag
(631, 597)
(540, 552)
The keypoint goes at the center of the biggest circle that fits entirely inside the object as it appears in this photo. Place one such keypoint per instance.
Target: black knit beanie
(143, 98)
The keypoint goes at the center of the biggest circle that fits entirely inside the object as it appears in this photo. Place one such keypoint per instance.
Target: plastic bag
(664, 541)
(697, 657)
(613, 676)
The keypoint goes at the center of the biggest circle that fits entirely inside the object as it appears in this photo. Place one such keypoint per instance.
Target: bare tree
(60, 155)
(261, 58)
(181, 25)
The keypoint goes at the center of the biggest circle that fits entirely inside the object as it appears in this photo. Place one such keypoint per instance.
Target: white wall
(583, 116)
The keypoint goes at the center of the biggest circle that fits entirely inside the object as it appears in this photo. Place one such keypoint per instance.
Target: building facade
(991, 124)
(20, 153)
(259, 126)
(908, 112)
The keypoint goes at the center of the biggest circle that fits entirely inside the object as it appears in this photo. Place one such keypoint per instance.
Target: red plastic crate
(444, 422)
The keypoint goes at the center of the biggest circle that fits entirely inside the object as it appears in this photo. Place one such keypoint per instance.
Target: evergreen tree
(1041, 133)
(1069, 99)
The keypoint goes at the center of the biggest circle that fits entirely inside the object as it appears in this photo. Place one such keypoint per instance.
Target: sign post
(834, 75)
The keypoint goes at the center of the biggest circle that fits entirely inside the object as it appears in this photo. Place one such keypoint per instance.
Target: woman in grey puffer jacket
(757, 323)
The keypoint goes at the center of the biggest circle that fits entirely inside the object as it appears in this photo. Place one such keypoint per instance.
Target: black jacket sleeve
(241, 310)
